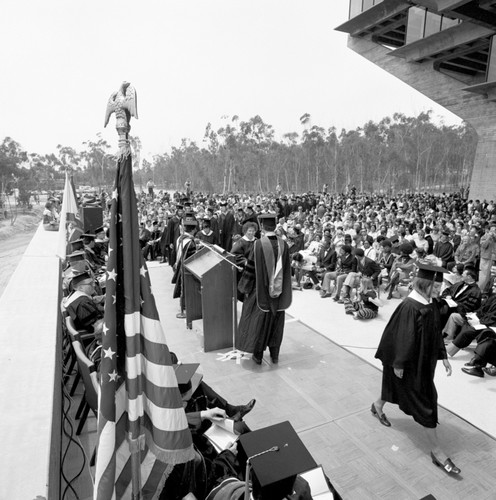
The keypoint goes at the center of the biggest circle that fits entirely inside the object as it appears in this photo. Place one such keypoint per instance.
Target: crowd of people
(356, 249)
(349, 247)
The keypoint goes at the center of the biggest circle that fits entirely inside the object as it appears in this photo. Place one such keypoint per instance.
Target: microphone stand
(247, 470)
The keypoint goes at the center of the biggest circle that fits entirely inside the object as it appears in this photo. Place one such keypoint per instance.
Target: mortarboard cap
(223, 203)
(189, 220)
(79, 278)
(87, 236)
(100, 229)
(184, 373)
(179, 207)
(75, 256)
(268, 221)
(274, 472)
(429, 272)
(393, 239)
(75, 245)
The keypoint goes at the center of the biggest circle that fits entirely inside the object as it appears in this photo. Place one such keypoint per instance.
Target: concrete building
(443, 49)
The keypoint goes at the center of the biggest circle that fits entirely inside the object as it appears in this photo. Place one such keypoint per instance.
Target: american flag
(68, 213)
(142, 426)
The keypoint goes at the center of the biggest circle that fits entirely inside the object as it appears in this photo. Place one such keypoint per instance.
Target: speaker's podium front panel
(210, 293)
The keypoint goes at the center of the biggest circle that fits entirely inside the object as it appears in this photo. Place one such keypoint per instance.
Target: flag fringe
(173, 457)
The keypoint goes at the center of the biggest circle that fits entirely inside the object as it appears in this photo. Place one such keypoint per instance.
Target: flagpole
(136, 473)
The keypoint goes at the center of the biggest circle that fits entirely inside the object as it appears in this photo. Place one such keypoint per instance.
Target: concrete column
(446, 91)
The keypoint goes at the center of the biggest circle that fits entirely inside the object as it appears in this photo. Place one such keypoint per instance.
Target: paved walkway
(471, 398)
(325, 391)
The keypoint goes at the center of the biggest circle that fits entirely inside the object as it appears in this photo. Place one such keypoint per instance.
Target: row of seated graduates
(82, 309)
(83, 288)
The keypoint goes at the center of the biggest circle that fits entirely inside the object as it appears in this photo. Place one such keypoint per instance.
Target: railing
(30, 370)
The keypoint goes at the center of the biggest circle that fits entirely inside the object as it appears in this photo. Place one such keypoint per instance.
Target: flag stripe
(170, 420)
(159, 396)
(157, 374)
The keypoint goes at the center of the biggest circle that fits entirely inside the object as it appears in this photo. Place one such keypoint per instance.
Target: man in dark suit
(468, 297)
(327, 257)
(364, 267)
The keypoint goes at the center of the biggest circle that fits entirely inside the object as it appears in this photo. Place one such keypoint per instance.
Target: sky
(192, 62)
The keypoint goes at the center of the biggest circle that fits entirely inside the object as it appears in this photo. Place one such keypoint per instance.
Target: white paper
(221, 433)
(479, 326)
(318, 484)
(451, 302)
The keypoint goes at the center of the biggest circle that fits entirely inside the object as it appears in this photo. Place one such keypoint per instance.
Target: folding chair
(89, 376)
(86, 338)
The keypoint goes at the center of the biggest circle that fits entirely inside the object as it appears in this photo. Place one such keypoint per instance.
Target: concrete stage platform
(326, 390)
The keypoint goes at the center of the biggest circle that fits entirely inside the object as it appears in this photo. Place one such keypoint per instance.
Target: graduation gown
(262, 318)
(82, 310)
(412, 340)
(170, 237)
(226, 229)
(186, 248)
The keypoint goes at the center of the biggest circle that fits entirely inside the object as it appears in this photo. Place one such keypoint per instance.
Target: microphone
(247, 471)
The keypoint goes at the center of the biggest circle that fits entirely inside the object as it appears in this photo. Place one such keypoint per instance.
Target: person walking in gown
(409, 349)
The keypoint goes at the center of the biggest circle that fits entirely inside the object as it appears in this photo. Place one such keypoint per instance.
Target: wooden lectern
(210, 285)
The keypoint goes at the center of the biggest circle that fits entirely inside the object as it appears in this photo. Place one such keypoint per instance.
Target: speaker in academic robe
(92, 218)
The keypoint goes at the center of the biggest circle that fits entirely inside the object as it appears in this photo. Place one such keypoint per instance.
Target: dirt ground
(14, 240)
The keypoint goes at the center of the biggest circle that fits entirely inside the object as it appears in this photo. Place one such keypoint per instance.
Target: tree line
(397, 153)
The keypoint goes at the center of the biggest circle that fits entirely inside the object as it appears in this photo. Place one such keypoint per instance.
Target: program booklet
(318, 484)
(221, 434)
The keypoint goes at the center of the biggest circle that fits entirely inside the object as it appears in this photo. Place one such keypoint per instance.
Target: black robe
(262, 318)
(82, 310)
(412, 340)
(188, 249)
(170, 237)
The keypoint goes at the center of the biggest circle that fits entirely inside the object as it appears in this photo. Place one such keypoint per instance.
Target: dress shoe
(317, 287)
(340, 301)
(258, 361)
(243, 410)
(335, 298)
(490, 371)
(240, 428)
(448, 465)
(382, 418)
(274, 360)
(476, 371)
(325, 295)
(181, 315)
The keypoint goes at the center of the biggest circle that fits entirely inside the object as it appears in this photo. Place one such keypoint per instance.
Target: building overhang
(463, 36)
(487, 89)
(441, 6)
(376, 16)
